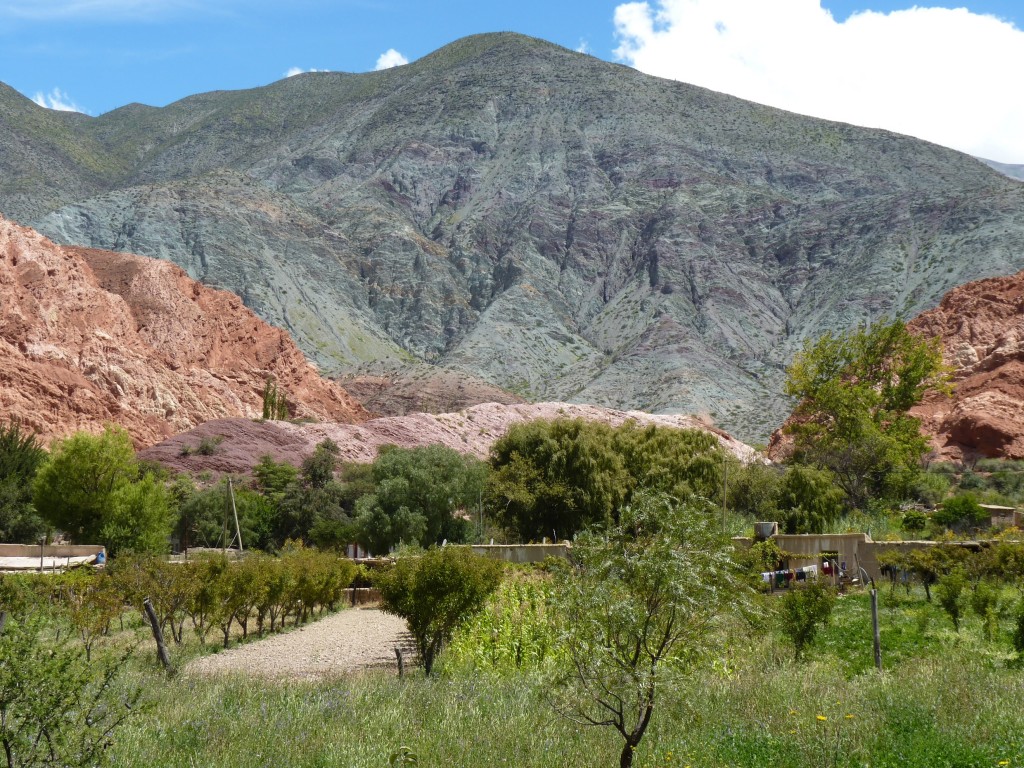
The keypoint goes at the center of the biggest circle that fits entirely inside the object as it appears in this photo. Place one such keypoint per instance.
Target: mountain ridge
(558, 226)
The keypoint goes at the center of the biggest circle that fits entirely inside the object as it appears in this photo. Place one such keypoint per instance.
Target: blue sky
(97, 55)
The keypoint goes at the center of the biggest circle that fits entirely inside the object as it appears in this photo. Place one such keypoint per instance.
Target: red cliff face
(88, 337)
(981, 325)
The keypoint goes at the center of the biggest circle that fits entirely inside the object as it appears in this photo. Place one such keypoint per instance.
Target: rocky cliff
(88, 337)
(981, 325)
(555, 225)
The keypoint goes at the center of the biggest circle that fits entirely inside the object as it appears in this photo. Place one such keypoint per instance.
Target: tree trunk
(626, 758)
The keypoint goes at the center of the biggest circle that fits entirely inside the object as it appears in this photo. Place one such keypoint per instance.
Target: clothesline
(781, 578)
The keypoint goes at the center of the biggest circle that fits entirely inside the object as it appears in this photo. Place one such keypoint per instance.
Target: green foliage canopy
(854, 391)
(436, 592)
(20, 457)
(553, 478)
(417, 492)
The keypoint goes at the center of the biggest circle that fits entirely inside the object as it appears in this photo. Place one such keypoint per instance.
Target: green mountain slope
(557, 225)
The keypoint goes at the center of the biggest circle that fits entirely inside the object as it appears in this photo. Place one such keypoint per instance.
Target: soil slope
(88, 337)
(470, 431)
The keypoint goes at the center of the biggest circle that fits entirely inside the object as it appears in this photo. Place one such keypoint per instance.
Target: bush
(914, 521)
(55, 708)
(436, 593)
(804, 611)
(961, 510)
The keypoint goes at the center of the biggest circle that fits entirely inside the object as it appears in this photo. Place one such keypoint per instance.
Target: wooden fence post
(874, 627)
(401, 662)
(158, 635)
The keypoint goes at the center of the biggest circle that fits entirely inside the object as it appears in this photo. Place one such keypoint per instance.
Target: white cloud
(57, 100)
(583, 47)
(948, 76)
(293, 71)
(390, 58)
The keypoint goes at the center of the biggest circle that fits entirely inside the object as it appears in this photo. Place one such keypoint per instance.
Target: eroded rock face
(88, 337)
(981, 325)
(242, 442)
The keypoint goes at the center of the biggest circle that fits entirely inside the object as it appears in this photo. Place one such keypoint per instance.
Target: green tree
(809, 499)
(139, 518)
(804, 610)
(74, 490)
(949, 592)
(553, 478)
(853, 393)
(417, 494)
(20, 458)
(436, 592)
(318, 468)
(202, 516)
(680, 462)
(638, 602)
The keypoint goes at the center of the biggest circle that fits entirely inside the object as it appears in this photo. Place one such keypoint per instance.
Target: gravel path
(348, 641)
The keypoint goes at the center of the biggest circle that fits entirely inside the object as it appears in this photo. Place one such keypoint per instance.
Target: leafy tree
(436, 593)
(139, 518)
(20, 458)
(201, 518)
(680, 462)
(638, 602)
(55, 708)
(810, 499)
(275, 401)
(914, 521)
(418, 492)
(949, 592)
(854, 391)
(804, 610)
(754, 489)
(74, 489)
(318, 468)
(556, 477)
(274, 479)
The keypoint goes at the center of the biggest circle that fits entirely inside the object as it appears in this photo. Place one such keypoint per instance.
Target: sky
(945, 72)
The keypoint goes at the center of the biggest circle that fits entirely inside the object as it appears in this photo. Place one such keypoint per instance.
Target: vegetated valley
(505, 215)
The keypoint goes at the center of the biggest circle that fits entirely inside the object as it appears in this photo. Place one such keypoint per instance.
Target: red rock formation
(981, 325)
(88, 337)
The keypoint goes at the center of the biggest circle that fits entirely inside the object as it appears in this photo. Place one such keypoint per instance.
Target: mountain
(981, 325)
(241, 443)
(89, 337)
(552, 224)
(1007, 169)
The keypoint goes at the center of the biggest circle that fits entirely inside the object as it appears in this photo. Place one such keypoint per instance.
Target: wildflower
(849, 717)
(1003, 762)
(792, 711)
(792, 733)
(822, 718)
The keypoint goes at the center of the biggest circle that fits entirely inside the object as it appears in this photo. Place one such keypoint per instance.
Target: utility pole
(725, 491)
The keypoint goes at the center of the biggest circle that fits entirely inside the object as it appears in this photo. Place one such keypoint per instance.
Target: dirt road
(350, 640)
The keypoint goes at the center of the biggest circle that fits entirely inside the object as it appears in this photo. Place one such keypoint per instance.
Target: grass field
(945, 699)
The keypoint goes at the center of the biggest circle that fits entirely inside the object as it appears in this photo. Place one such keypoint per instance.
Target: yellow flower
(821, 718)
(792, 733)
(849, 717)
(792, 711)
(1004, 762)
